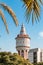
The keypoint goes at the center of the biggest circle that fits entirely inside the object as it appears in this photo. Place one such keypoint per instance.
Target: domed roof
(22, 33)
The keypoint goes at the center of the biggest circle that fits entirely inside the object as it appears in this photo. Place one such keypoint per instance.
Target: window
(41, 56)
(23, 41)
(35, 57)
(18, 52)
(22, 53)
(26, 50)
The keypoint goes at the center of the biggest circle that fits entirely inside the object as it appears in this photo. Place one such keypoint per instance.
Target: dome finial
(23, 31)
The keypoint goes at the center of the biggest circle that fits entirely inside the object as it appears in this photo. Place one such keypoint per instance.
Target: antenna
(20, 24)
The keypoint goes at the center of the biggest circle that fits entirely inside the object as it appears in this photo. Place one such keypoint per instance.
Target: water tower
(23, 43)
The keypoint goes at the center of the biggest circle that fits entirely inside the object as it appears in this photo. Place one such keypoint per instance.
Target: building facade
(35, 55)
(23, 43)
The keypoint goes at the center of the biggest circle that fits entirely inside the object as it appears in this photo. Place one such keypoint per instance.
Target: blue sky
(7, 41)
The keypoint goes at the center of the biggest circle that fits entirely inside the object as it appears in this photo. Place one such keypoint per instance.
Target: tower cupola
(23, 31)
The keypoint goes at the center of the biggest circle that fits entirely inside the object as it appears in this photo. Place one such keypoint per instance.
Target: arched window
(22, 53)
(26, 50)
(18, 52)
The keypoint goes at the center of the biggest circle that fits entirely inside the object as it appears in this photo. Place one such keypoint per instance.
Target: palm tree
(9, 10)
(32, 9)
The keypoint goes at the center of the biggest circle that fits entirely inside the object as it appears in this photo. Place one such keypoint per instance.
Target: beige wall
(23, 42)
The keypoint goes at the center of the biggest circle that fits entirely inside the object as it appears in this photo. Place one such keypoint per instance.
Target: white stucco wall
(38, 55)
(30, 56)
(23, 42)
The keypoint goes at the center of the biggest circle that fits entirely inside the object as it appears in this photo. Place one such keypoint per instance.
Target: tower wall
(23, 42)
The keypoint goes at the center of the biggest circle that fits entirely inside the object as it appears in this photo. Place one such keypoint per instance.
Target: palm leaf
(10, 12)
(27, 2)
(41, 2)
(28, 13)
(37, 10)
(4, 20)
(34, 7)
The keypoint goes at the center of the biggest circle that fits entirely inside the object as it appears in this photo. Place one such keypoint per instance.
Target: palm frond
(41, 2)
(27, 2)
(4, 20)
(32, 6)
(37, 9)
(10, 12)
(28, 13)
